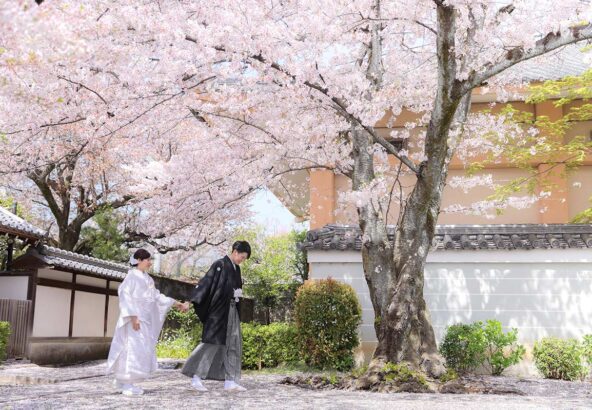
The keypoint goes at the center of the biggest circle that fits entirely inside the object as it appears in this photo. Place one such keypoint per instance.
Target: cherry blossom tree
(332, 69)
(225, 97)
(94, 116)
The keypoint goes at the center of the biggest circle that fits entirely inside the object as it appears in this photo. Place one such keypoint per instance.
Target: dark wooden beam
(52, 283)
(9, 252)
(32, 296)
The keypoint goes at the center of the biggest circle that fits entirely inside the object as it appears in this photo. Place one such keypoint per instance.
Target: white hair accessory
(133, 261)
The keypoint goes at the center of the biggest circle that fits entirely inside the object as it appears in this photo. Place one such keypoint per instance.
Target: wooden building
(62, 306)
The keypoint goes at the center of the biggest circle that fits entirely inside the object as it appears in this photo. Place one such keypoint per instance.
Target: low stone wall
(183, 291)
(47, 351)
(174, 288)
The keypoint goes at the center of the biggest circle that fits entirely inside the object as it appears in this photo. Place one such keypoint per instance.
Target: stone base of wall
(58, 351)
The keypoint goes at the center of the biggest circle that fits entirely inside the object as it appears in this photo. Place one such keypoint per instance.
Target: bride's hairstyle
(139, 255)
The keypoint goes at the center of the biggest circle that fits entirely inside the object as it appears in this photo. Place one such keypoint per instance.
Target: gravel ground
(86, 387)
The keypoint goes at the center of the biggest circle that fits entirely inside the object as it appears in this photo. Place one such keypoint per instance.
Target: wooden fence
(17, 313)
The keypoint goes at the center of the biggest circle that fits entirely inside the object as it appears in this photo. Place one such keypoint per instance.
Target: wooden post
(106, 309)
(72, 305)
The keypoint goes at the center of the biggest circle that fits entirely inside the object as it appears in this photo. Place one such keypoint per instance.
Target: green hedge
(560, 358)
(269, 345)
(4, 335)
(327, 316)
(263, 345)
(468, 346)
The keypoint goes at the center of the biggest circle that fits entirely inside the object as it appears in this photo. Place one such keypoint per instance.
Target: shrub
(559, 358)
(463, 347)
(181, 334)
(175, 346)
(466, 347)
(502, 351)
(587, 350)
(327, 316)
(4, 335)
(269, 345)
(263, 345)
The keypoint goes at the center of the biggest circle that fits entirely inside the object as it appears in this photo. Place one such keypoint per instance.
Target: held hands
(135, 323)
(183, 307)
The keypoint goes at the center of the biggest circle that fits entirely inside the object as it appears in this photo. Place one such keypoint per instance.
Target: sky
(272, 215)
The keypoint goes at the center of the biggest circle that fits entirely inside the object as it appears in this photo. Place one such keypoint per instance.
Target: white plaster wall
(113, 315)
(14, 287)
(89, 315)
(52, 312)
(541, 292)
(55, 275)
(88, 280)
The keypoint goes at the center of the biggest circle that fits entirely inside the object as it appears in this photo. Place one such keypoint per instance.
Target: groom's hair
(242, 247)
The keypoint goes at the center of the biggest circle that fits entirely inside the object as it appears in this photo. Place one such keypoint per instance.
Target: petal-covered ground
(86, 387)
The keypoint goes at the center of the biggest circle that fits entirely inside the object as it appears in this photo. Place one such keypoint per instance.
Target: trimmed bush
(502, 350)
(463, 347)
(4, 335)
(263, 345)
(327, 316)
(269, 345)
(466, 347)
(559, 358)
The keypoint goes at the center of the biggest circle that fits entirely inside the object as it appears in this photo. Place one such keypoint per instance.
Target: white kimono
(132, 356)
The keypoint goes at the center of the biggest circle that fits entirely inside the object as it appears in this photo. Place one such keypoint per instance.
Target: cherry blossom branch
(59, 123)
(146, 111)
(517, 55)
(83, 86)
(341, 104)
(134, 237)
(386, 19)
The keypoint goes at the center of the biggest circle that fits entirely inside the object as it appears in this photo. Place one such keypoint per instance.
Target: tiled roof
(467, 237)
(567, 61)
(59, 258)
(14, 225)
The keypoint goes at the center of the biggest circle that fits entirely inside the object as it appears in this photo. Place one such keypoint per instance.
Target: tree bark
(395, 274)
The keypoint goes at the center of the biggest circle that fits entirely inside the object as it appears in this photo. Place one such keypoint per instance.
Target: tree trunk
(68, 237)
(395, 274)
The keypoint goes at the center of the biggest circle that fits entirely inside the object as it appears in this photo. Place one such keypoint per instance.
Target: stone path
(85, 387)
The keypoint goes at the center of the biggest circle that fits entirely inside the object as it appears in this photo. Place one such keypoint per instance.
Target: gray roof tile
(82, 263)
(467, 237)
(14, 225)
(566, 61)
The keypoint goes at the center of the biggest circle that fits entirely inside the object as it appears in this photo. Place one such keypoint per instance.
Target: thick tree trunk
(395, 274)
(68, 237)
(406, 332)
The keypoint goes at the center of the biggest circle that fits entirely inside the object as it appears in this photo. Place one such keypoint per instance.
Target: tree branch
(341, 104)
(132, 237)
(550, 42)
(85, 87)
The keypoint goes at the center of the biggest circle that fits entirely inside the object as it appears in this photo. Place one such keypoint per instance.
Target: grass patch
(178, 347)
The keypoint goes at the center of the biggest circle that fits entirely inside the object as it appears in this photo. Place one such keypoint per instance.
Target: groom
(216, 302)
